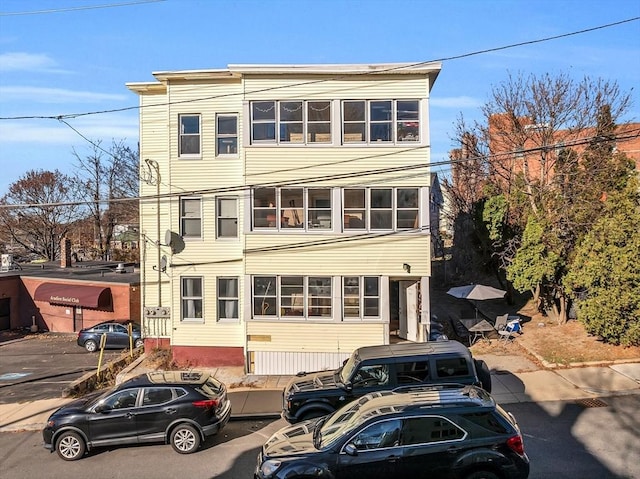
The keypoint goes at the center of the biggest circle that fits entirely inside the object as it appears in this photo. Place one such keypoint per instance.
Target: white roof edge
(355, 68)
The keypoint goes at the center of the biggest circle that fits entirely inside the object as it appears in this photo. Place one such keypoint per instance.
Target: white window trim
(279, 208)
(218, 216)
(394, 209)
(305, 124)
(183, 297)
(235, 298)
(189, 156)
(394, 124)
(362, 297)
(306, 298)
(227, 135)
(201, 218)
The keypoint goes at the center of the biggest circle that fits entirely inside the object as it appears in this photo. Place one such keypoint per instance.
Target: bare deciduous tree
(108, 180)
(38, 210)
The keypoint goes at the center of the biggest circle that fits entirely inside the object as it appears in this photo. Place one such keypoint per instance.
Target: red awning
(96, 297)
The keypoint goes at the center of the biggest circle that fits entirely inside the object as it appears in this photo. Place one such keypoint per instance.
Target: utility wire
(73, 9)
(323, 80)
(319, 179)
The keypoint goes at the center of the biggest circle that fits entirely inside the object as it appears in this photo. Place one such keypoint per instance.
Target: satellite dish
(174, 241)
(163, 263)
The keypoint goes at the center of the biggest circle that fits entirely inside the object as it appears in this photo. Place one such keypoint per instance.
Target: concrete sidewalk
(261, 396)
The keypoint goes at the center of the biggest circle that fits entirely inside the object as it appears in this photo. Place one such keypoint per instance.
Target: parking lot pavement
(40, 366)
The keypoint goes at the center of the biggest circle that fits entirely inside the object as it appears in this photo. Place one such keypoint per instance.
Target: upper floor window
(291, 122)
(300, 208)
(189, 141)
(381, 208)
(227, 135)
(227, 218)
(191, 294)
(373, 121)
(190, 217)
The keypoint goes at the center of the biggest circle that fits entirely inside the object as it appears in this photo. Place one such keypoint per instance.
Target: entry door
(409, 310)
(5, 314)
(77, 318)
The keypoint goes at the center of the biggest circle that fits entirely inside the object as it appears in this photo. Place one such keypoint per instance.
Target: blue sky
(76, 55)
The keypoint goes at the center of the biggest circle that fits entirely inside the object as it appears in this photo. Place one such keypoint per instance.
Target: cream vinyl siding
(353, 87)
(216, 99)
(313, 337)
(209, 331)
(358, 165)
(377, 256)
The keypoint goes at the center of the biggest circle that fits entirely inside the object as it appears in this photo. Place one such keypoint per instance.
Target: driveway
(41, 366)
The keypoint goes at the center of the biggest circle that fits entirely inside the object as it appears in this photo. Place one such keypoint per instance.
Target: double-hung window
(297, 208)
(189, 138)
(226, 135)
(361, 297)
(291, 122)
(407, 208)
(228, 298)
(381, 208)
(227, 218)
(191, 299)
(380, 121)
(191, 217)
(292, 296)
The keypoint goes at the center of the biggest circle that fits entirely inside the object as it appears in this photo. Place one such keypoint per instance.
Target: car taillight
(206, 403)
(516, 445)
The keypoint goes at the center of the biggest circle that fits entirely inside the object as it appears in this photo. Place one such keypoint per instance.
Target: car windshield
(340, 423)
(349, 367)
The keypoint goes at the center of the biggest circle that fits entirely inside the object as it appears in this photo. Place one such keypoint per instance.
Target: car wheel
(70, 446)
(482, 475)
(484, 374)
(138, 343)
(91, 345)
(185, 439)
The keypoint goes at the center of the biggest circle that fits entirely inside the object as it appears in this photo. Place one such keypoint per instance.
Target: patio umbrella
(476, 292)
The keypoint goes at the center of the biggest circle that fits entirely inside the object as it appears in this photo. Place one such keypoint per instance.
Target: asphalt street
(564, 440)
(41, 366)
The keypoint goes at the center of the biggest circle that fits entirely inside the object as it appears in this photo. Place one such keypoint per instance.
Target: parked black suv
(424, 432)
(181, 408)
(379, 368)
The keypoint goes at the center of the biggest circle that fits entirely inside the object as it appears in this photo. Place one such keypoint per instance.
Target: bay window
(291, 122)
(380, 121)
(292, 296)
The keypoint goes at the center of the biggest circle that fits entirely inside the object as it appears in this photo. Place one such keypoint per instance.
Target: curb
(584, 364)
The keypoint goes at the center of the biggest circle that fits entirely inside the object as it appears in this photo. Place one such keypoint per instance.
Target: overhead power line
(323, 80)
(73, 9)
(410, 169)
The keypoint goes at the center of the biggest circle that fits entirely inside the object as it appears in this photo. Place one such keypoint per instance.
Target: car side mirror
(351, 450)
(102, 408)
(348, 386)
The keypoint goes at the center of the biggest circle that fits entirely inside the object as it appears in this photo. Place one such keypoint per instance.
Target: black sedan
(180, 408)
(117, 335)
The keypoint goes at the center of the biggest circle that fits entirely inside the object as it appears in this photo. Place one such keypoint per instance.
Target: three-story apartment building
(285, 212)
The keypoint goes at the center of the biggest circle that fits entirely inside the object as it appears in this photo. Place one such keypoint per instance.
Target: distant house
(286, 211)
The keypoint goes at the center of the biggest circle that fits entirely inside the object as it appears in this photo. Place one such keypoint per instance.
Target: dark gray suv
(422, 432)
(380, 368)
